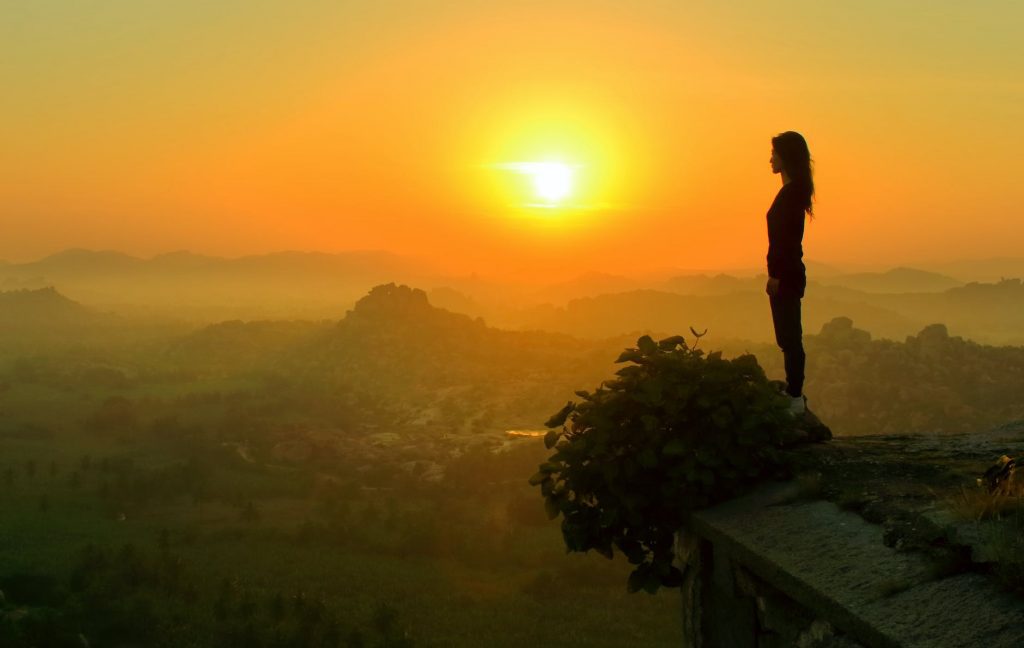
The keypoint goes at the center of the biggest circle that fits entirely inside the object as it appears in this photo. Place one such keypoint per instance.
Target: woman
(787, 276)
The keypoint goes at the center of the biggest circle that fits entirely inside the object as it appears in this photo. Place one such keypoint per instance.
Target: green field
(142, 541)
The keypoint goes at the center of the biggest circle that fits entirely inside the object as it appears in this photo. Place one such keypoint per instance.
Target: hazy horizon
(436, 266)
(413, 128)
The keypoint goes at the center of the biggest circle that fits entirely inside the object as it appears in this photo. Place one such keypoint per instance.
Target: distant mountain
(652, 310)
(235, 345)
(396, 362)
(46, 308)
(931, 382)
(184, 260)
(818, 270)
(192, 286)
(457, 302)
(396, 357)
(393, 328)
(396, 329)
(983, 270)
(991, 313)
(190, 289)
(720, 284)
(897, 280)
(586, 285)
(389, 306)
(44, 320)
(738, 315)
(79, 262)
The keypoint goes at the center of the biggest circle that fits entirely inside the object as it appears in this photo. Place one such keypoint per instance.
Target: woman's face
(776, 162)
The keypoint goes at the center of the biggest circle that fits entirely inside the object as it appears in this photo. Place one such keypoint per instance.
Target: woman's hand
(773, 287)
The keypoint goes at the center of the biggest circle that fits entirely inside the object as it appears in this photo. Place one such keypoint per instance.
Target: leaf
(551, 508)
(647, 458)
(610, 470)
(629, 355)
(539, 478)
(652, 391)
(722, 418)
(650, 422)
(647, 345)
(609, 517)
(636, 580)
(748, 365)
(674, 448)
(673, 579)
(651, 583)
(559, 418)
(670, 343)
(551, 438)
(708, 458)
(698, 335)
(635, 556)
(628, 372)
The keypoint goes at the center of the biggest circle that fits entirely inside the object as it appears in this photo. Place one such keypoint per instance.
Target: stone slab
(834, 563)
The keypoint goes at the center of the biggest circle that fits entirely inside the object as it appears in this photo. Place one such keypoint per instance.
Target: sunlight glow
(553, 167)
(552, 181)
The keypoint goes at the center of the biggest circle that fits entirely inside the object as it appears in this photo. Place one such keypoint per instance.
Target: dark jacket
(785, 236)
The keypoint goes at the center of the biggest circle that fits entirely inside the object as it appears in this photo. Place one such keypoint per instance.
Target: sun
(552, 182)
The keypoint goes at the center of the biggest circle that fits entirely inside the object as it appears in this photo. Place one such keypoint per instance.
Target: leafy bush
(675, 431)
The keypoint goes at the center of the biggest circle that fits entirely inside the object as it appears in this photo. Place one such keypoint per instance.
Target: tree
(674, 431)
(116, 417)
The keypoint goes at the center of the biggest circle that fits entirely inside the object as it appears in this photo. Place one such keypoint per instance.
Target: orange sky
(262, 126)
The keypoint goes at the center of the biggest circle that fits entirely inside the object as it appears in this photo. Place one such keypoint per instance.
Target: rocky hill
(45, 309)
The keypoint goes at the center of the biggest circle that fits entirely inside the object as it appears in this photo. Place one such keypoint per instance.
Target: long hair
(796, 159)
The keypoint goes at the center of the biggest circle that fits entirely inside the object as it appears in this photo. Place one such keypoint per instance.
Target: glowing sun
(552, 182)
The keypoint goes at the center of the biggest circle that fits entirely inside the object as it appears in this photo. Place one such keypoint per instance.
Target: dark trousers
(789, 337)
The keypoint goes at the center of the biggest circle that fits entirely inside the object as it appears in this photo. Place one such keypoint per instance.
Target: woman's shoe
(797, 405)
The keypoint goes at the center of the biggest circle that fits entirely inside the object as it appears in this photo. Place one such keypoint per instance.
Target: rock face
(808, 426)
(891, 566)
(43, 307)
(813, 428)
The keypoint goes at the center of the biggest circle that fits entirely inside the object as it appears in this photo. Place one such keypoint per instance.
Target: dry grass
(977, 504)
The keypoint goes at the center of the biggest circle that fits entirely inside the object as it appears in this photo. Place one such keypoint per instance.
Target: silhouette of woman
(787, 277)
